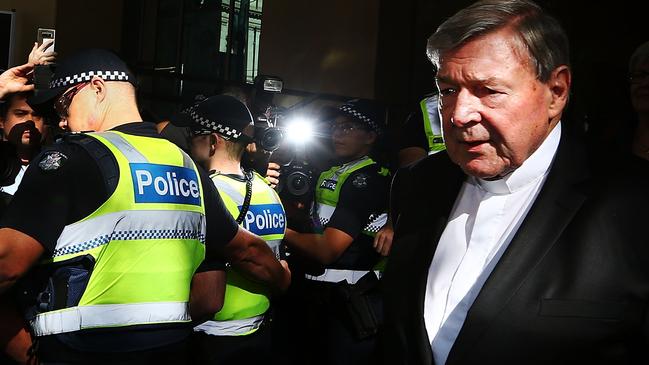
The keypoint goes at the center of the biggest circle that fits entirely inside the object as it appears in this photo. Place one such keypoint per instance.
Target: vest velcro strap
(109, 315)
(337, 275)
(235, 327)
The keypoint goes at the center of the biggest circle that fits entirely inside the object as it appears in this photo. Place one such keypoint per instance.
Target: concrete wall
(321, 46)
(30, 15)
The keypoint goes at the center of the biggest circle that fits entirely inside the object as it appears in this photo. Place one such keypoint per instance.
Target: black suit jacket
(571, 288)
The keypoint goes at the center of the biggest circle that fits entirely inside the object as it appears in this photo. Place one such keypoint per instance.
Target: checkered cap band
(225, 131)
(144, 234)
(87, 76)
(362, 117)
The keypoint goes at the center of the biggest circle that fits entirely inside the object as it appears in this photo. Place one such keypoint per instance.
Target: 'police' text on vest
(164, 184)
(265, 219)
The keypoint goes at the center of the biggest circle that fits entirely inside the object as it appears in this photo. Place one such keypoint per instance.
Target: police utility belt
(354, 296)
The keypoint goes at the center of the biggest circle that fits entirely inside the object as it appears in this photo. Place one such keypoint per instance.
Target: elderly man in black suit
(507, 248)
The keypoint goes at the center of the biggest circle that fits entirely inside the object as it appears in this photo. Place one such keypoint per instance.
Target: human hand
(287, 271)
(383, 240)
(272, 174)
(15, 80)
(39, 56)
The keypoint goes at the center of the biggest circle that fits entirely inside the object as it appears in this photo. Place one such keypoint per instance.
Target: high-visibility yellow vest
(246, 301)
(327, 195)
(432, 124)
(146, 240)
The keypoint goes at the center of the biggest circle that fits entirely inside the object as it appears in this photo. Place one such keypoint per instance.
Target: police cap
(367, 112)
(81, 67)
(222, 114)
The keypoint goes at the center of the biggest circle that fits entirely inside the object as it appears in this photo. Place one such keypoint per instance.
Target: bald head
(100, 105)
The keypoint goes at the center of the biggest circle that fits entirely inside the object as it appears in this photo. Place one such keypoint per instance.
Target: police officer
(350, 207)
(239, 332)
(119, 219)
(422, 132)
(420, 136)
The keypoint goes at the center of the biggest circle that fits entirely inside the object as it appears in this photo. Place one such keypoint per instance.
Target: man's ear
(559, 86)
(372, 136)
(98, 86)
(213, 141)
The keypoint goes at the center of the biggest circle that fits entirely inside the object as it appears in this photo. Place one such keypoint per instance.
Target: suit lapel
(436, 207)
(558, 201)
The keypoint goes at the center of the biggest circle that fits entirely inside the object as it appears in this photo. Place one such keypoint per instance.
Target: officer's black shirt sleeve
(48, 200)
(364, 192)
(221, 227)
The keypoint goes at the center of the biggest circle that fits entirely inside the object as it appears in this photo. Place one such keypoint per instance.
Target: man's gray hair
(540, 33)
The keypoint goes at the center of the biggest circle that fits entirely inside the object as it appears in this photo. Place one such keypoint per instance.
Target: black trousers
(56, 353)
(254, 348)
(324, 335)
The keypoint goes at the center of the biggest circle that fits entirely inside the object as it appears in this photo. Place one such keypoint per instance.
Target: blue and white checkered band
(87, 76)
(225, 131)
(350, 110)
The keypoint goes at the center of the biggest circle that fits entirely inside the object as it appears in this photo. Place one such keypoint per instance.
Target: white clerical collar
(530, 171)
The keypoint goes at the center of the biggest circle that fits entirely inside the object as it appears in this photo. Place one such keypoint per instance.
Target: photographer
(341, 301)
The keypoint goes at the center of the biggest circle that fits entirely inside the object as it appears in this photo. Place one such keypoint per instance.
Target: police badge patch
(52, 161)
(360, 181)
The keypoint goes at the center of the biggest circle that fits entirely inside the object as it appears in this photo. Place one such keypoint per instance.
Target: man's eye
(447, 91)
(491, 91)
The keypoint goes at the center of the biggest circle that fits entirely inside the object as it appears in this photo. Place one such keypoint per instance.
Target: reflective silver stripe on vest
(432, 109)
(230, 191)
(130, 225)
(324, 212)
(108, 315)
(235, 327)
(131, 153)
(377, 221)
(187, 161)
(337, 275)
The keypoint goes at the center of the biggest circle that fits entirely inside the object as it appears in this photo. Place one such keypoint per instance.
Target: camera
(296, 180)
(297, 174)
(43, 73)
(274, 125)
(44, 34)
(268, 135)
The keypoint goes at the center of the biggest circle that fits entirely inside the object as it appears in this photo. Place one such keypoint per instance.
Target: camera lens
(271, 139)
(297, 183)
